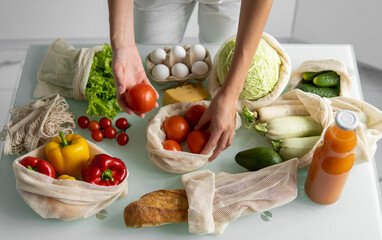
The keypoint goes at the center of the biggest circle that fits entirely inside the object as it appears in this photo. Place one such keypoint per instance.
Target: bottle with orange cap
(333, 160)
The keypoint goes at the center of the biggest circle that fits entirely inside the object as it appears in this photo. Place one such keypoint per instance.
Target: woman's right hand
(128, 70)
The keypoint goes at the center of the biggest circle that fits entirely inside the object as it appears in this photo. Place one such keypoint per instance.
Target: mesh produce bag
(284, 74)
(322, 65)
(174, 161)
(35, 123)
(65, 70)
(63, 199)
(214, 201)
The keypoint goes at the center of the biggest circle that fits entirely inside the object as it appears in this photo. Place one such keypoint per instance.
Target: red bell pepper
(38, 165)
(102, 169)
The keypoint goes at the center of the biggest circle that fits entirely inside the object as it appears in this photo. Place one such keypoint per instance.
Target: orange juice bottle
(333, 160)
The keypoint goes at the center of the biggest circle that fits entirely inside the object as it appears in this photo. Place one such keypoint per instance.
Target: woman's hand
(128, 70)
(222, 115)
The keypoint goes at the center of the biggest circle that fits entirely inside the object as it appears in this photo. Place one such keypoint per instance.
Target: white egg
(200, 68)
(198, 51)
(158, 56)
(179, 70)
(160, 72)
(179, 53)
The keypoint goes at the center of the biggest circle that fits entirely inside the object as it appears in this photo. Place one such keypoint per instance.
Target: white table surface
(357, 215)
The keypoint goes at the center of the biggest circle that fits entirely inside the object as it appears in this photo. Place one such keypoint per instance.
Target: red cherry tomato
(122, 139)
(105, 122)
(97, 135)
(83, 122)
(194, 113)
(197, 140)
(93, 125)
(141, 98)
(171, 145)
(122, 123)
(176, 128)
(110, 132)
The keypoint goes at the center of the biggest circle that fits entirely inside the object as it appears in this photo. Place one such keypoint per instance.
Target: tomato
(97, 135)
(122, 123)
(93, 125)
(197, 140)
(194, 113)
(141, 98)
(171, 145)
(110, 132)
(83, 122)
(105, 122)
(122, 139)
(176, 128)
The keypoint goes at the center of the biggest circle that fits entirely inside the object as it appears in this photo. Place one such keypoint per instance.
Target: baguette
(157, 208)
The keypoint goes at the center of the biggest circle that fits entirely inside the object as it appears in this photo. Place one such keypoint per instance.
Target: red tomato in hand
(176, 128)
(172, 145)
(141, 98)
(197, 140)
(194, 113)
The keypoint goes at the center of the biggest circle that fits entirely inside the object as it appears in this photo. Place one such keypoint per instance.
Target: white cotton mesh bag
(174, 161)
(65, 70)
(284, 74)
(35, 123)
(63, 199)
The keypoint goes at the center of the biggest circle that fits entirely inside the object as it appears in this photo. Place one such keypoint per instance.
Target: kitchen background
(24, 22)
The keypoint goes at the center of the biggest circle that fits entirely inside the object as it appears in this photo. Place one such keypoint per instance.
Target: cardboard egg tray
(188, 61)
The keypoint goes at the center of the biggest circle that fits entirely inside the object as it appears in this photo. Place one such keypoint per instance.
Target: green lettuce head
(263, 74)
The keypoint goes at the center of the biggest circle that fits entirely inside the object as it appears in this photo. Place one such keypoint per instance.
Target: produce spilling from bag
(60, 174)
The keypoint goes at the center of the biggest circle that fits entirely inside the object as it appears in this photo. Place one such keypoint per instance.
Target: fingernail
(120, 89)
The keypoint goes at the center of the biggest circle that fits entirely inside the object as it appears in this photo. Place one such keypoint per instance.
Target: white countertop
(357, 215)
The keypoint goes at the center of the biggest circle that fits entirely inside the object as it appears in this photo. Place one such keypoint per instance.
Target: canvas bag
(65, 70)
(321, 65)
(63, 199)
(216, 200)
(174, 161)
(284, 74)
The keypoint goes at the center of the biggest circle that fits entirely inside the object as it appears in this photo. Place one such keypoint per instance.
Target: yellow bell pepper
(66, 176)
(67, 154)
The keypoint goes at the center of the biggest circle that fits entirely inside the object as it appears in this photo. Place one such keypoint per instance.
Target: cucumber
(308, 76)
(257, 158)
(329, 79)
(327, 92)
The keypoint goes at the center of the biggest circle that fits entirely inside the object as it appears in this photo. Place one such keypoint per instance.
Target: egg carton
(188, 60)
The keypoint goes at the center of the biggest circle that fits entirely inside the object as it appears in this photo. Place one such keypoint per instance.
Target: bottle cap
(346, 120)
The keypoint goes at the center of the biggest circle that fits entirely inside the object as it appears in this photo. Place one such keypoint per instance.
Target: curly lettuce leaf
(100, 88)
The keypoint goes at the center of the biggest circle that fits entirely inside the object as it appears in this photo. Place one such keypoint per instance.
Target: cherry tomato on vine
(141, 98)
(197, 140)
(172, 145)
(122, 123)
(110, 132)
(105, 122)
(122, 139)
(93, 125)
(176, 128)
(194, 113)
(83, 122)
(97, 135)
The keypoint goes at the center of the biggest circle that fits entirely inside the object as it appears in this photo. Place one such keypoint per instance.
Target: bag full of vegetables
(172, 144)
(267, 76)
(83, 74)
(60, 180)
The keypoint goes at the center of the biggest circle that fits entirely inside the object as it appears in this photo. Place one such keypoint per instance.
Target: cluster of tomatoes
(178, 129)
(104, 129)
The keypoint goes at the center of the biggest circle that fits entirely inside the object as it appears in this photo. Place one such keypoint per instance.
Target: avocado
(257, 158)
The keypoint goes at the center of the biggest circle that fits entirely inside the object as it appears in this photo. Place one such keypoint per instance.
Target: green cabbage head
(263, 74)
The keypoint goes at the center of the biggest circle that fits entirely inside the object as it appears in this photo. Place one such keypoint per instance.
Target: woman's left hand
(222, 115)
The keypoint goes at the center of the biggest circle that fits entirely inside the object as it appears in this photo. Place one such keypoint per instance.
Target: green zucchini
(327, 92)
(308, 76)
(329, 79)
(257, 158)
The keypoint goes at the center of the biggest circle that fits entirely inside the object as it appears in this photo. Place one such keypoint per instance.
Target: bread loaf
(157, 208)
